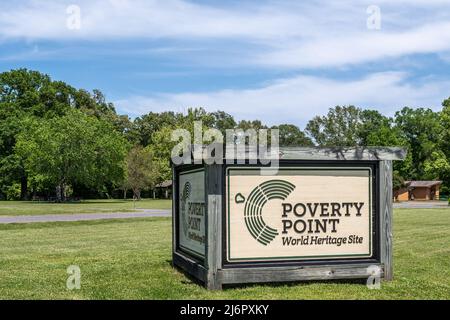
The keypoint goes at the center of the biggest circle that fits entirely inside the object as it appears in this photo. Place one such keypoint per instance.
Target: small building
(418, 190)
(163, 190)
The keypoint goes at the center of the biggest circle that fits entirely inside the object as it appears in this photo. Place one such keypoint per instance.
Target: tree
(291, 135)
(378, 130)
(28, 94)
(445, 123)
(421, 130)
(445, 140)
(223, 121)
(141, 170)
(253, 124)
(339, 127)
(74, 148)
(397, 181)
(162, 150)
(351, 126)
(22, 93)
(147, 125)
(436, 166)
(198, 114)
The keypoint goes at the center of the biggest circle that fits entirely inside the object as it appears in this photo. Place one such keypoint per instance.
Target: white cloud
(361, 47)
(148, 19)
(296, 100)
(281, 34)
(284, 34)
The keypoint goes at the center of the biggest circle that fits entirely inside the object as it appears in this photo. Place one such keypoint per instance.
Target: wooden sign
(326, 213)
(191, 198)
(298, 214)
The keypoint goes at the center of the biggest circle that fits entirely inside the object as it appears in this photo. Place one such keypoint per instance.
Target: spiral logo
(184, 197)
(266, 191)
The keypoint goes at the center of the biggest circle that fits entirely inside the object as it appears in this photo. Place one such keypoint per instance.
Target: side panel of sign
(298, 214)
(191, 197)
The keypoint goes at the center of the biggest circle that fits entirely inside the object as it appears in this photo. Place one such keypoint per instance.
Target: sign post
(325, 213)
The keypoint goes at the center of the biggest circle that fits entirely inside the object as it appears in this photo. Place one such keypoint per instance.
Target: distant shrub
(13, 192)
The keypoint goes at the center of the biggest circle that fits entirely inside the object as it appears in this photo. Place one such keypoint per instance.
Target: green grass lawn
(16, 208)
(131, 259)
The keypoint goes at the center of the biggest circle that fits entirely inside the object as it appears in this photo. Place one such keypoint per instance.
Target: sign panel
(191, 204)
(299, 213)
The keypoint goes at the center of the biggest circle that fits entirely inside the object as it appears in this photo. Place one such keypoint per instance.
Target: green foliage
(397, 181)
(11, 171)
(350, 126)
(378, 130)
(142, 170)
(425, 133)
(23, 93)
(26, 96)
(13, 192)
(32, 103)
(223, 121)
(75, 148)
(291, 135)
(436, 166)
(445, 137)
(147, 125)
(31, 92)
(339, 127)
(253, 124)
(161, 150)
(421, 130)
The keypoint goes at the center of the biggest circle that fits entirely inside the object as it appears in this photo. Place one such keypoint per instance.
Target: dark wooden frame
(214, 272)
(375, 259)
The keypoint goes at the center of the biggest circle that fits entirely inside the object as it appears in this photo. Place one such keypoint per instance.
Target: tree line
(59, 141)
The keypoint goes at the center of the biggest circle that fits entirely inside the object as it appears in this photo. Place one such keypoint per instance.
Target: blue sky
(279, 61)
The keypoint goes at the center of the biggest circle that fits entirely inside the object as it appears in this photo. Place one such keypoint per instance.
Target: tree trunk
(24, 188)
(60, 192)
(63, 192)
(124, 194)
(137, 194)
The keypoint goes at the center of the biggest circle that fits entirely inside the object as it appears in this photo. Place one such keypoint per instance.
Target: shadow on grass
(189, 278)
(192, 280)
(295, 283)
(87, 201)
(76, 202)
(81, 223)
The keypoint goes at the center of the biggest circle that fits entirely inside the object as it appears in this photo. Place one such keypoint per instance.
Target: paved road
(144, 213)
(421, 204)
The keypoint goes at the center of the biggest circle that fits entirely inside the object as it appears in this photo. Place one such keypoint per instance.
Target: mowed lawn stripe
(18, 208)
(131, 259)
